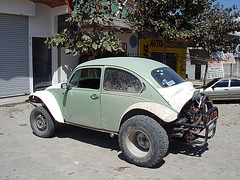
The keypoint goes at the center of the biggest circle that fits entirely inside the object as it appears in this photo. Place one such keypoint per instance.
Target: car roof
(138, 65)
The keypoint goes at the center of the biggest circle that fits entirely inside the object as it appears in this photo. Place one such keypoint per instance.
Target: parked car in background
(142, 101)
(222, 89)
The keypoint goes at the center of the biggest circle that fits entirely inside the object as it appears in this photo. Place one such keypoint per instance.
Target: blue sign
(133, 41)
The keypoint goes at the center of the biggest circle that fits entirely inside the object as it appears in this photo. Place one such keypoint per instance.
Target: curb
(11, 101)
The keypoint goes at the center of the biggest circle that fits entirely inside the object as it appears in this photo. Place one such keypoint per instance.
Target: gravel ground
(76, 153)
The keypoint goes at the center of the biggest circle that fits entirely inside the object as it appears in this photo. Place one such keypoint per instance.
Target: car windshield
(166, 77)
(210, 83)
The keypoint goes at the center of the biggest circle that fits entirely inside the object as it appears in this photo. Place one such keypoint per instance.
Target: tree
(169, 18)
(204, 22)
(214, 27)
(77, 37)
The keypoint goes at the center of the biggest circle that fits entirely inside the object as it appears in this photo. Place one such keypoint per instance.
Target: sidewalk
(13, 100)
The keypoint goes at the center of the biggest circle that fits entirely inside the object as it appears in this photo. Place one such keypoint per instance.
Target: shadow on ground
(105, 141)
(87, 136)
(188, 150)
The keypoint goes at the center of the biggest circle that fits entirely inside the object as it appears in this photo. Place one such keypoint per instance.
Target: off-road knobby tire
(157, 136)
(42, 122)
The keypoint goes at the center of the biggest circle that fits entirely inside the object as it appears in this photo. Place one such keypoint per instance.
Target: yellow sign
(175, 51)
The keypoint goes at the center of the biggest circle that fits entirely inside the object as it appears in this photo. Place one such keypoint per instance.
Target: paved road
(76, 153)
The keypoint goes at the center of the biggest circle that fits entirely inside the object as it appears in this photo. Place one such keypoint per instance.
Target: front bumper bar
(199, 132)
(208, 129)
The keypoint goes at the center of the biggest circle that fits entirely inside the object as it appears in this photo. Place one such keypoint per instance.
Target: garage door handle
(94, 96)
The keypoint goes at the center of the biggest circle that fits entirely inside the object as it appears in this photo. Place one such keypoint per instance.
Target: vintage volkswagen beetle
(142, 101)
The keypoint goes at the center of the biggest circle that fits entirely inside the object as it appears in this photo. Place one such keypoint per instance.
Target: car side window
(121, 81)
(223, 83)
(86, 78)
(75, 78)
(235, 82)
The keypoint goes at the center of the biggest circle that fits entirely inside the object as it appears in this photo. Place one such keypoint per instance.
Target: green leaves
(214, 27)
(86, 31)
(205, 22)
(94, 46)
(89, 28)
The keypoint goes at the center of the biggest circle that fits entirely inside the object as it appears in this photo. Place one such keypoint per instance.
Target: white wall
(190, 68)
(17, 7)
(40, 25)
(68, 64)
(44, 24)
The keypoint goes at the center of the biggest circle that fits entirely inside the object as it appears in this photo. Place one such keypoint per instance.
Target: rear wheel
(143, 141)
(41, 122)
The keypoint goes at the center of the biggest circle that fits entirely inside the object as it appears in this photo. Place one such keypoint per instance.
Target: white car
(222, 89)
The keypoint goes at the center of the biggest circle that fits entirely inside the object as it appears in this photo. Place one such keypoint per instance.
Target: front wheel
(143, 141)
(41, 122)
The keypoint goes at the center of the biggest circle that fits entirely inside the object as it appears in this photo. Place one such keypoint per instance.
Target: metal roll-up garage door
(14, 58)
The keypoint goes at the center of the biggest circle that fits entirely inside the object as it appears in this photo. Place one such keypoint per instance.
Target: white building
(26, 64)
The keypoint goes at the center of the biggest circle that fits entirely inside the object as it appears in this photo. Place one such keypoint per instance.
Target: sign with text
(215, 70)
(149, 47)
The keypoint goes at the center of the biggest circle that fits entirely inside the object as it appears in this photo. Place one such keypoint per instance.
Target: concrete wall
(17, 7)
(190, 68)
(68, 63)
(43, 22)
(232, 70)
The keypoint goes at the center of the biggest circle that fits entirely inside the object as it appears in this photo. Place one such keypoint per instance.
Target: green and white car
(142, 101)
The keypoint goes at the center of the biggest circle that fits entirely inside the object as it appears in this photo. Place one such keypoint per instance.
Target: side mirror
(213, 87)
(66, 86)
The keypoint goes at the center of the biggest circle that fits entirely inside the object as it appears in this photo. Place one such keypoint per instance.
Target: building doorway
(42, 64)
(198, 71)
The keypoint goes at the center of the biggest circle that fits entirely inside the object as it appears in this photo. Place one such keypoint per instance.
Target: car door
(120, 90)
(234, 89)
(82, 101)
(220, 90)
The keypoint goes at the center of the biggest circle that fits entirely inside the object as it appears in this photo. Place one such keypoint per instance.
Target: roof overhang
(116, 24)
(56, 3)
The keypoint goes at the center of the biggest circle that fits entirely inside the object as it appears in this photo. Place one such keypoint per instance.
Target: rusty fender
(164, 113)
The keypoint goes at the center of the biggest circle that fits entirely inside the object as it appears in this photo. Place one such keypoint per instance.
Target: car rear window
(166, 77)
(235, 82)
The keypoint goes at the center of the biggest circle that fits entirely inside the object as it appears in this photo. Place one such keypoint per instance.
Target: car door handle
(94, 96)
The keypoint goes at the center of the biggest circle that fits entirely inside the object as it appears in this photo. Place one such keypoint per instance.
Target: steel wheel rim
(41, 123)
(138, 143)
